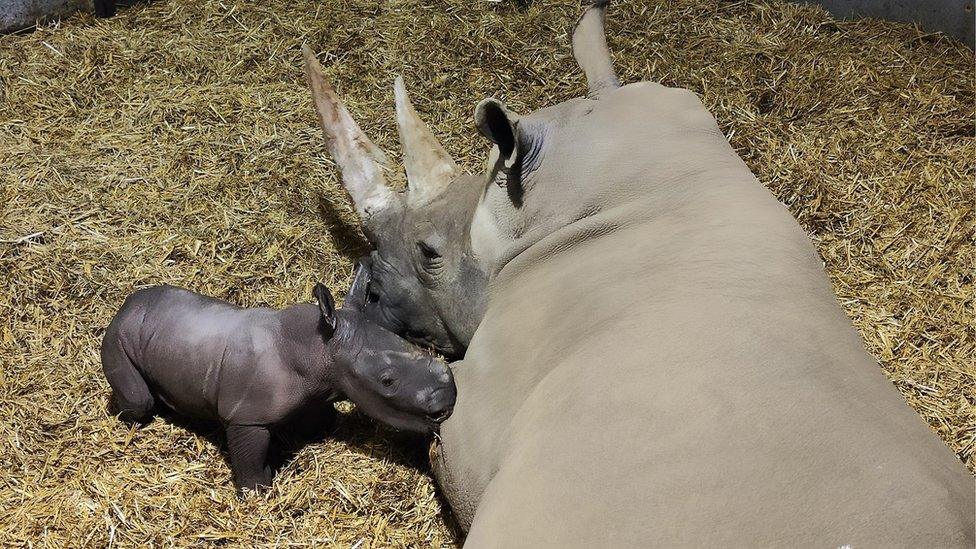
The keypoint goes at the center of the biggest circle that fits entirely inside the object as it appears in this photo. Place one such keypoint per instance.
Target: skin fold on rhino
(660, 358)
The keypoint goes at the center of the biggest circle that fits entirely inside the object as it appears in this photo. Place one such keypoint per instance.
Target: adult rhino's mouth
(386, 317)
(382, 309)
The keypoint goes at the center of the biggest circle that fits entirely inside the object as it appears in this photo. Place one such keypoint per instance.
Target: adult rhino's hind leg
(591, 51)
(132, 396)
(248, 446)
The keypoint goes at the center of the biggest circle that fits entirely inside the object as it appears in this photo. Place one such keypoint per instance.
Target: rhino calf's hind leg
(248, 446)
(132, 396)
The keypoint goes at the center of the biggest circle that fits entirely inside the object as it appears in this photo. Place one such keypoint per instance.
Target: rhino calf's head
(386, 377)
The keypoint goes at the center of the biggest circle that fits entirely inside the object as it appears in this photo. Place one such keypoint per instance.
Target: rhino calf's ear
(497, 123)
(326, 305)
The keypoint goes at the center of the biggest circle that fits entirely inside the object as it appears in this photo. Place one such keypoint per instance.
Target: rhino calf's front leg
(248, 446)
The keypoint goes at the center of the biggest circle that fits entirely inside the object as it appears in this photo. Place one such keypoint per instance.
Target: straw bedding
(176, 144)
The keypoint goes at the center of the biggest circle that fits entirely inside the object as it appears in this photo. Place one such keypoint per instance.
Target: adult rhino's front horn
(429, 168)
(360, 160)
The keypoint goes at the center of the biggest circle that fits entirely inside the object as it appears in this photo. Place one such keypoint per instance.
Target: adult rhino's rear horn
(590, 49)
(429, 168)
(360, 161)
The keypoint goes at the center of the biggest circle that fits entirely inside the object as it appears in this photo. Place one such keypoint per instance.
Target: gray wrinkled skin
(258, 370)
(426, 283)
(661, 360)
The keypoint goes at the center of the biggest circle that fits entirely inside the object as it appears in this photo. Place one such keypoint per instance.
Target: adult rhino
(655, 356)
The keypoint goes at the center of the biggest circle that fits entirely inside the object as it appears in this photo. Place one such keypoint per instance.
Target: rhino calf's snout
(440, 403)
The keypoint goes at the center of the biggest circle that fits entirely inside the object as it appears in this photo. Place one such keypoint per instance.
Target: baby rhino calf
(260, 370)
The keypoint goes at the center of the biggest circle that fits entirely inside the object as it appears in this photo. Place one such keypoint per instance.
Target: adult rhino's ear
(498, 124)
(326, 305)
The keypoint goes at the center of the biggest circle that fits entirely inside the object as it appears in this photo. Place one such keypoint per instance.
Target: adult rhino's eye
(431, 261)
(427, 251)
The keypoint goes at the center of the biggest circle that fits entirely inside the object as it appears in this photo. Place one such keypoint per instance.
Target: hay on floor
(176, 143)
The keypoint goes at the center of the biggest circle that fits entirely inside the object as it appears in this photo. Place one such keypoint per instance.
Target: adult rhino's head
(426, 283)
(438, 242)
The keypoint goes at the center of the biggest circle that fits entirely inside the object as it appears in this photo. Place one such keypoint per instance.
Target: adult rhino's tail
(590, 49)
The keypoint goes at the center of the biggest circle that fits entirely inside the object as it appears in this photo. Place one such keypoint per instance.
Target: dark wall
(953, 17)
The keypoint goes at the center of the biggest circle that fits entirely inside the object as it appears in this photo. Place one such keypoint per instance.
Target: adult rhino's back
(671, 366)
(612, 397)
